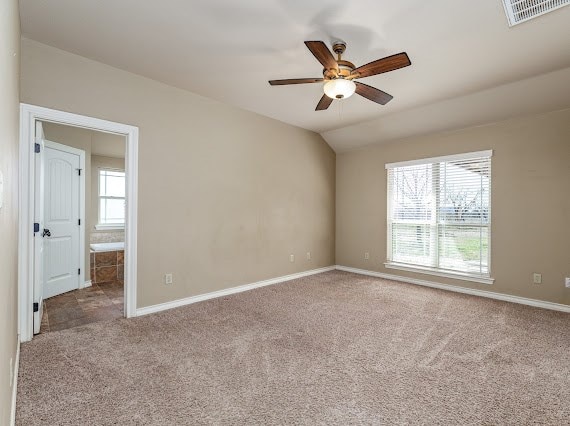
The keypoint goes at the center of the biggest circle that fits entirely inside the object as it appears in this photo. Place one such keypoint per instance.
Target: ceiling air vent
(519, 11)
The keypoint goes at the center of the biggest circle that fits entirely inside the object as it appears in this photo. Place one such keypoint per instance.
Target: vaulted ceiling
(468, 66)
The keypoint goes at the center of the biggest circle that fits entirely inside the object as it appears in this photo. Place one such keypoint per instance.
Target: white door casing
(62, 225)
(39, 220)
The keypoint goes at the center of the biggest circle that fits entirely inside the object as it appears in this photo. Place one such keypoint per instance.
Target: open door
(61, 215)
(38, 227)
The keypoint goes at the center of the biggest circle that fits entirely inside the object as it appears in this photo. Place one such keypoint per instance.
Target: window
(111, 199)
(439, 216)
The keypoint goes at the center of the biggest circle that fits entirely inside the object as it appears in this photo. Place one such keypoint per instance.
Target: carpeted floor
(334, 348)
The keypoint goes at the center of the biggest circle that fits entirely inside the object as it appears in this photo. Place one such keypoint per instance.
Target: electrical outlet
(537, 278)
(366, 256)
(292, 258)
(167, 279)
(567, 282)
(308, 255)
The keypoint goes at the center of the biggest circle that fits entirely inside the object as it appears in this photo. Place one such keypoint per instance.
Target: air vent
(519, 11)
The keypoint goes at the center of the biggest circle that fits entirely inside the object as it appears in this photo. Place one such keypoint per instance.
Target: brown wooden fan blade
(295, 81)
(375, 95)
(389, 63)
(324, 103)
(322, 53)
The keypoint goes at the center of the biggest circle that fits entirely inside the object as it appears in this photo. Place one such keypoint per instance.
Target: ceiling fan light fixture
(339, 88)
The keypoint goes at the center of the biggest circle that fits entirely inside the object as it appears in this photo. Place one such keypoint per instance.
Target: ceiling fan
(339, 74)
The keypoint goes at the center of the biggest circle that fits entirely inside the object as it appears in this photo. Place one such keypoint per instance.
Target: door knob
(46, 233)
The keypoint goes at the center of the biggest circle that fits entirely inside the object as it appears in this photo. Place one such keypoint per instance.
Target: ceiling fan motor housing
(344, 70)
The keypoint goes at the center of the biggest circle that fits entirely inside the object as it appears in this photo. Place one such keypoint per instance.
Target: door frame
(29, 114)
(81, 153)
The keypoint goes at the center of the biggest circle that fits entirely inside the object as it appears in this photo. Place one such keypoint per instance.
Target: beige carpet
(334, 348)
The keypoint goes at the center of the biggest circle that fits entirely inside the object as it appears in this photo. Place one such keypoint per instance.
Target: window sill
(439, 273)
(110, 227)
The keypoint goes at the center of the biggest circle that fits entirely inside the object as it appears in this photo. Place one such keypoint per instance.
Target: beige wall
(530, 201)
(108, 145)
(9, 124)
(225, 195)
(99, 162)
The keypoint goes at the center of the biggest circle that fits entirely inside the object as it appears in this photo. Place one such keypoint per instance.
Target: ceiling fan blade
(373, 94)
(294, 81)
(323, 54)
(324, 103)
(389, 63)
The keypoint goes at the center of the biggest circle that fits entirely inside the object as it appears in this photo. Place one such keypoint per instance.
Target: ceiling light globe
(339, 88)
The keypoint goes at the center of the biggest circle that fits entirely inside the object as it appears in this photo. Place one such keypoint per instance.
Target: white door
(38, 227)
(61, 220)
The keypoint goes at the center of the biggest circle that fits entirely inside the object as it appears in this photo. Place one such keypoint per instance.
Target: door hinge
(79, 222)
(79, 271)
(36, 307)
(79, 172)
(37, 148)
(36, 228)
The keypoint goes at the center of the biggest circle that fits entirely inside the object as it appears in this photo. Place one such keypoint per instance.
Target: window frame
(108, 226)
(434, 224)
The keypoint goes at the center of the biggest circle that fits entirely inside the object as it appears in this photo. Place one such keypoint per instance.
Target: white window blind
(439, 213)
(111, 198)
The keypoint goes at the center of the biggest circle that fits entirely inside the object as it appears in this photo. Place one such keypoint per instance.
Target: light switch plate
(1, 189)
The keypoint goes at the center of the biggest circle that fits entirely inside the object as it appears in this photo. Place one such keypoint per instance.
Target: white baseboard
(482, 293)
(15, 384)
(193, 299)
(87, 284)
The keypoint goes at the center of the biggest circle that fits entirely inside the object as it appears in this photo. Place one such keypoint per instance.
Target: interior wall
(9, 133)
(530, 202)
(108, 144)
(225, 195)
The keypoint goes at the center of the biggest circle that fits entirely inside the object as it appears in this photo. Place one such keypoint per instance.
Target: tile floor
(99, 302)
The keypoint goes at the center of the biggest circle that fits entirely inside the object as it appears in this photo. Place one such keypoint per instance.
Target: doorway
(76, 204)
(80, 211)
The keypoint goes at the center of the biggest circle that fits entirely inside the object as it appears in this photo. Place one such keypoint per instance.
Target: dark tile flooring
(99, 302)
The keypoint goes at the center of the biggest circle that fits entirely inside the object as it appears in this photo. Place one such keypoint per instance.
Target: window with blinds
(111, 199)
(439, 214)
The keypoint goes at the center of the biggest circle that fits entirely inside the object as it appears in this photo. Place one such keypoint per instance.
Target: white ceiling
(228, 50)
